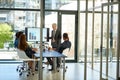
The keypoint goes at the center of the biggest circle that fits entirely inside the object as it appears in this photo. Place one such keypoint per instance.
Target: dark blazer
(57, 38)
(64, 45)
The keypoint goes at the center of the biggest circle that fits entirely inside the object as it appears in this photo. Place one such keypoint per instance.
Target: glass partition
(109, 36)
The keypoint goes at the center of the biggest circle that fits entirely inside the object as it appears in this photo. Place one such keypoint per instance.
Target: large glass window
(12, 21)
(26, 13)
(61, 4)
(50, 18)
(68, 26)
(33, 4)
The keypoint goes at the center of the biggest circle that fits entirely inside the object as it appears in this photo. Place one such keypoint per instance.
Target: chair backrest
(66, 51)
(22, 55)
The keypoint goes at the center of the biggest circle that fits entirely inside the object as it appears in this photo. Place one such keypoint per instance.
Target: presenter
(55, 36)
(55, 41)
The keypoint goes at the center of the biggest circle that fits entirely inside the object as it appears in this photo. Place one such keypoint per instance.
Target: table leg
(64, 68)
(54, 64)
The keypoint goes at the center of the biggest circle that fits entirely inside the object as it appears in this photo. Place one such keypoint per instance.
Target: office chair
(66, 53)
(24, 67)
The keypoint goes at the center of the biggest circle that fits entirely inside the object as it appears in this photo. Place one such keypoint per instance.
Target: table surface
(50, 53)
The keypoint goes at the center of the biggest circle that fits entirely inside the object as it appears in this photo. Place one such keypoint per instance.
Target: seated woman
(63, 45)
(23, 45)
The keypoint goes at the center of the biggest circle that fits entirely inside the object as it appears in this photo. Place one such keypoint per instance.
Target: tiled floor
(75, 71)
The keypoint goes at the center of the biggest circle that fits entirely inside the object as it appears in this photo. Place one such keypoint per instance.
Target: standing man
(55, 36)
(55, 41)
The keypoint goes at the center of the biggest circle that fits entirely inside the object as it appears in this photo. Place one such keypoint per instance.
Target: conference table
(53, 54)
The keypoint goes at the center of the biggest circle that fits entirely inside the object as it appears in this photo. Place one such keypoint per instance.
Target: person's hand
(53, 40)
(49, 48)
(35, 49)
(54, 49)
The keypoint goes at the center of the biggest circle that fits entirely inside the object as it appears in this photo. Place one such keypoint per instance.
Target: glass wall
(30, 4)
(61, 4)
(25, 13)
(98, 38)
(68, 25)
(15, 15)
(97, 30)
(19, 14)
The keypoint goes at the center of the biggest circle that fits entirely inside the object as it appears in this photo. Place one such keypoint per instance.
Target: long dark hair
(22, 42)
(17, 35)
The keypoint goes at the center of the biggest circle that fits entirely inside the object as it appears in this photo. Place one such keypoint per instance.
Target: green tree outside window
(5, 34)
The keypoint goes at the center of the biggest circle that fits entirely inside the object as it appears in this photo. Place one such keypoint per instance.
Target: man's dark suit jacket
(64, 45)
(57, 38)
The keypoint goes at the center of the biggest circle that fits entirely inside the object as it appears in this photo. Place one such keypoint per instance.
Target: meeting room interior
(59, 39)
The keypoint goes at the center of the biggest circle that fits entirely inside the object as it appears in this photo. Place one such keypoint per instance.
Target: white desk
(54, 55)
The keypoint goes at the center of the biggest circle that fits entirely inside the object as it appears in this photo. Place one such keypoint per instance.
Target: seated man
(63, 45)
